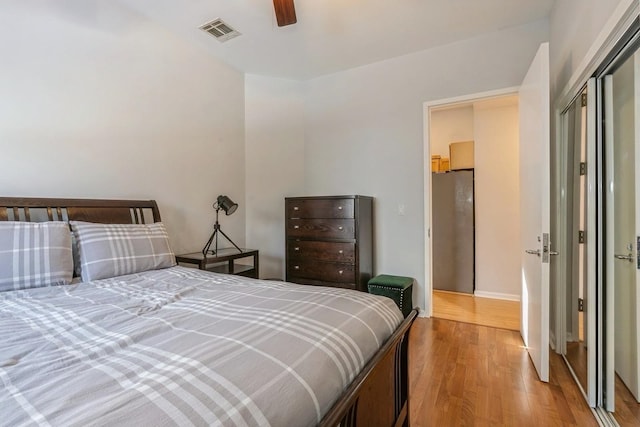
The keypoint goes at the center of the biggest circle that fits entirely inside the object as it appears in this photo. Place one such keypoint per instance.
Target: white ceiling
(334, 35)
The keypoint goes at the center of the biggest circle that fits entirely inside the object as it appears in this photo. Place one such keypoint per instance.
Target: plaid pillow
(109, 250)
(33, 255)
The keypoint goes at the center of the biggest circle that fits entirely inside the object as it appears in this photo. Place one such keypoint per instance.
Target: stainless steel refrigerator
(453, 231)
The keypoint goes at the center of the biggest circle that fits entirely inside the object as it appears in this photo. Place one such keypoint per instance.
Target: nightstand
(224, 261)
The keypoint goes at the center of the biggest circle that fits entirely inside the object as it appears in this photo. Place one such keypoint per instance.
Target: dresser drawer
(321, 228)
(321, 251)
(325, 208)
(303, 281)
(324, 271)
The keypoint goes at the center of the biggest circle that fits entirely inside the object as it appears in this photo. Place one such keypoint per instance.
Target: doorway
(474, 208)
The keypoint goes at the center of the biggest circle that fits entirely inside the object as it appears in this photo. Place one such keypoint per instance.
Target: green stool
(397, 288)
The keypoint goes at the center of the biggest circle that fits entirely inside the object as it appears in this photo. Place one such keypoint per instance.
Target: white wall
(450, 125)
(574, 27)
(274, 130)
(364, 131)
(96, 101)
(497, 198)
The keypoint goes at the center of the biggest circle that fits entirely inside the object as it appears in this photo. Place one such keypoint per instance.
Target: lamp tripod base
(214, 237)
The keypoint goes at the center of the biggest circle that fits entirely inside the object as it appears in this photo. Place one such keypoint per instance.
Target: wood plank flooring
(476, 310)
(468, 375)
(577, 357)
(627, 408)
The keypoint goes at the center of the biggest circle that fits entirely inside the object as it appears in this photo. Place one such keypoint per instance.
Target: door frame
(426, 166)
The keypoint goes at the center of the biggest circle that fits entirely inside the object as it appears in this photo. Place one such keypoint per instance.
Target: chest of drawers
(330, 240)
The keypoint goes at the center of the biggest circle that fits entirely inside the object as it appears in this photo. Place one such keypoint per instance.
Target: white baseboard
(496, 295)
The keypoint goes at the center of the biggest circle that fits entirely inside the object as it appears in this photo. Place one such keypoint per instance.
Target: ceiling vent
(220, 30)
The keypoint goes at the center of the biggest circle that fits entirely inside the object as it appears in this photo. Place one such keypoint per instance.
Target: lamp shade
(227, 205)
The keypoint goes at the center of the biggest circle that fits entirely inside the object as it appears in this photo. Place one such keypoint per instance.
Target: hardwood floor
(627, 408)
(464, 374)
(577, 357)
(476, 310)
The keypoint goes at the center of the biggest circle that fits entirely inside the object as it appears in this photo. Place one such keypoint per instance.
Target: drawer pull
(296, 249)
(341, 228)
(296, 227)
(340, 271)
(339, 208)
(296, 267)
(295, 208)
(340, 251)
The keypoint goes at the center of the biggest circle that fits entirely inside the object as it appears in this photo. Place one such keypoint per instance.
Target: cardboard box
(461, 155)
(444, 164)
(435, 163)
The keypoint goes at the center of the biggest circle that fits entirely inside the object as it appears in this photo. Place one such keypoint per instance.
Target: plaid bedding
(109, 250)
(181, 346)
(34, 254)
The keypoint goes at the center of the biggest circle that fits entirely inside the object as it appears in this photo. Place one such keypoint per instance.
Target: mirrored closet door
(621, 93)
(577, 305)
(598, 215)
(576, 270)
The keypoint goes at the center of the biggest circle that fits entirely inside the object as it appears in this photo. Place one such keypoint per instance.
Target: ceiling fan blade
(285, 12)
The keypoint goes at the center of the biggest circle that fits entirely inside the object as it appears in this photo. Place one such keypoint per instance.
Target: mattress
(181, 346)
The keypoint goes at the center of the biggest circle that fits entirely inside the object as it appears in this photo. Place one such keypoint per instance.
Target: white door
(622, 214)
(535, 210)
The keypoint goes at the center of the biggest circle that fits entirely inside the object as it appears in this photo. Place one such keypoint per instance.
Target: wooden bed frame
(378, 396)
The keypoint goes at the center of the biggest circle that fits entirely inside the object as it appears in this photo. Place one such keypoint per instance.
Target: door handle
(533, 251)
(625, 257)
(554, 253)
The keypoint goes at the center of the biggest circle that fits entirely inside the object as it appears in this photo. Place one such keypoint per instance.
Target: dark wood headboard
(90, 210)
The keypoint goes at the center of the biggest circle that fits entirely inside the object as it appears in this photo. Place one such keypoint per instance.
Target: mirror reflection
(576, 263)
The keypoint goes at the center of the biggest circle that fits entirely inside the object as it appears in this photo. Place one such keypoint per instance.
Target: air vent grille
(220, 30)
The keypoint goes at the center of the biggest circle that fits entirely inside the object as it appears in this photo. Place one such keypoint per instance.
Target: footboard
(379, 395)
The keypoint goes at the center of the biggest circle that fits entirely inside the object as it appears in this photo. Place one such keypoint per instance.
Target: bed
(146, 342)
